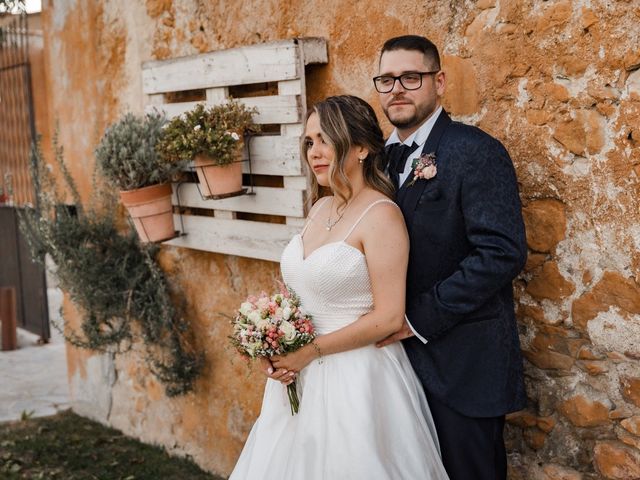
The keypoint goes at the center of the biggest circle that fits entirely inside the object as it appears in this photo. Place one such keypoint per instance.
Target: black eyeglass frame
(399, 78)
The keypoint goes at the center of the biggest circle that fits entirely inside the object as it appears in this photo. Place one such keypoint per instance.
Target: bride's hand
(279, 374)
(294, 362)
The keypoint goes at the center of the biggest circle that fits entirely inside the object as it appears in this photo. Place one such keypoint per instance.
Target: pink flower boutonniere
(424, 167)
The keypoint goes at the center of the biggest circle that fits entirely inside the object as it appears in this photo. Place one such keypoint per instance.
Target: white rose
(289, 331)
(246, 308)
(286, 313)
(262, 303)
(254, 317)
(263, 324)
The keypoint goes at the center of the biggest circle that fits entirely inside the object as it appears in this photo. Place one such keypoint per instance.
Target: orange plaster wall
(557, 82)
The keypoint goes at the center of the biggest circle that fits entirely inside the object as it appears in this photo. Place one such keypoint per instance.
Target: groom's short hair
(414, 42)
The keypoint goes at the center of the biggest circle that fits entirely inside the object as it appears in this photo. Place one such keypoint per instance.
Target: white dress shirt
(419, 137)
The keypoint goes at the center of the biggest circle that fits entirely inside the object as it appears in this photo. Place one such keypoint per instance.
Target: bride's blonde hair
(348, 121)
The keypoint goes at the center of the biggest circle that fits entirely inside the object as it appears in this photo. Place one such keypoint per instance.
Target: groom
(467, 245)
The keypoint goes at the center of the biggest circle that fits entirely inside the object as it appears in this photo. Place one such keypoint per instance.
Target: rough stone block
(546, 224)
(584, 412)
(616, 461)
(630, 389)
(550, 284)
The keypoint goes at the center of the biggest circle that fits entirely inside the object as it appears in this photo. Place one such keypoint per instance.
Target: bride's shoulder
(383, 204)
(381, 210)
(318, 205)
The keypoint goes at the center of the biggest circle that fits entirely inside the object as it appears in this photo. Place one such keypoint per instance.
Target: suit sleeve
(492, 215)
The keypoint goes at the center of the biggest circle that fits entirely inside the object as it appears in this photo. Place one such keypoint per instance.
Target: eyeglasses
(409, 81)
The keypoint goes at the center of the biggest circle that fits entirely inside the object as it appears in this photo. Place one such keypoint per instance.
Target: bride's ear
(362, 153)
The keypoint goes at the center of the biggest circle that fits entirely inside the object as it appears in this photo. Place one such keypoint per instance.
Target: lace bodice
(333, 281)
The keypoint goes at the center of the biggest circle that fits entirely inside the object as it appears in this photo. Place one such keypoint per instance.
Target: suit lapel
(408, 196)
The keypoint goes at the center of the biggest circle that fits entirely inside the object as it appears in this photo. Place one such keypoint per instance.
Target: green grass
(69, 447)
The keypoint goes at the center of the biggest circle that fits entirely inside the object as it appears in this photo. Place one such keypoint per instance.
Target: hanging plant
(113, 279)
(213, 138)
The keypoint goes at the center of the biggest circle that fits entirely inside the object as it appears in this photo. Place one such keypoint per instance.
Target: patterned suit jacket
(467, 245)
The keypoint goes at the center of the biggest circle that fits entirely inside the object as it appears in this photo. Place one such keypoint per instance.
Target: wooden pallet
(212, 225)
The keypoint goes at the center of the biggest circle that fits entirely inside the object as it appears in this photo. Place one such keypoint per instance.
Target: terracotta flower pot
(218, 181)
(151, 211)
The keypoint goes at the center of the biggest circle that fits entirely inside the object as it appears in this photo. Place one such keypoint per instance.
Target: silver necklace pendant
(329, 224)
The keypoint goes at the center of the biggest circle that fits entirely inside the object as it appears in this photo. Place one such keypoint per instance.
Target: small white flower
(235, 136)
(286, 313)
(197, 128)
(252, 348)
(289, 331)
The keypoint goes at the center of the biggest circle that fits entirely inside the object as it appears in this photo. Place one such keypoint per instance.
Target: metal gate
(17, 132)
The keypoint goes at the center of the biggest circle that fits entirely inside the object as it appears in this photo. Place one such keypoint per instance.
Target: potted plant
(128, 159)
(213, 139)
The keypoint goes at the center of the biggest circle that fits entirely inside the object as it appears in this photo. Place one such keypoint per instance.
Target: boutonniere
(424, 167)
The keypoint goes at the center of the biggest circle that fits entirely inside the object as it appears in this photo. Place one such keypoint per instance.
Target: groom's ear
(441, 83)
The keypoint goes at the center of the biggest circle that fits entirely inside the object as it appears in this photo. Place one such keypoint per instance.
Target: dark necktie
(398, 154)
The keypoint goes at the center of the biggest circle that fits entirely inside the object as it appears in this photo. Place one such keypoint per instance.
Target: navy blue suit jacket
(467, 245)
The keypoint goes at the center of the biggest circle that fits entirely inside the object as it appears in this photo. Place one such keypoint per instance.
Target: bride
(363, 413)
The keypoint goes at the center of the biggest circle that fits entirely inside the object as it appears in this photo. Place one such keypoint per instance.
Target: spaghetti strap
(323, 200)
(382, 200)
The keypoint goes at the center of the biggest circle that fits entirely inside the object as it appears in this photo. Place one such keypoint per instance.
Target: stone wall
(557, 81)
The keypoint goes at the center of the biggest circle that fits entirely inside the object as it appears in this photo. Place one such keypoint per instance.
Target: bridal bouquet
(272, 325)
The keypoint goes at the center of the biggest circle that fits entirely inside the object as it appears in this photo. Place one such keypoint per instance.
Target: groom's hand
(404, 332)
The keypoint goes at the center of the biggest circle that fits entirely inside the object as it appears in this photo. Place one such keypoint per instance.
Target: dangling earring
(362, 159)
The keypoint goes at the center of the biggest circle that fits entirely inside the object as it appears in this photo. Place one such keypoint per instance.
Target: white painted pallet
(271, 154)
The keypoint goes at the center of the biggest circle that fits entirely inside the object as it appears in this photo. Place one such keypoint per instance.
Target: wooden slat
(293, 131)
(224, 214)
(290, 87)
(217, 95)
(314, 50)
(296, 183)
(274, 155)
(234, 237)
(296, 221)
(239, 66)
(267, 200)
(271, 109)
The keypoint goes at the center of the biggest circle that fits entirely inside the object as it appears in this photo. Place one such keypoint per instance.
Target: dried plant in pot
(213, 138)
(129, 160)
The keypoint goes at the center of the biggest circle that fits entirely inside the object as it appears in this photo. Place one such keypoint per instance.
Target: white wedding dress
(363, 414)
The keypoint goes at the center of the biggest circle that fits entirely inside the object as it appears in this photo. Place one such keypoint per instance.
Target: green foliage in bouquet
(116, 283)
(127, 154)
(214, 132)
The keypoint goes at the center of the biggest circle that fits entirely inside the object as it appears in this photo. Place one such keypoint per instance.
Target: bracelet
(318, 351)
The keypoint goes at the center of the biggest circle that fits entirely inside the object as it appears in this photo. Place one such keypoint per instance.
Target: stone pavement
(33, 378)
